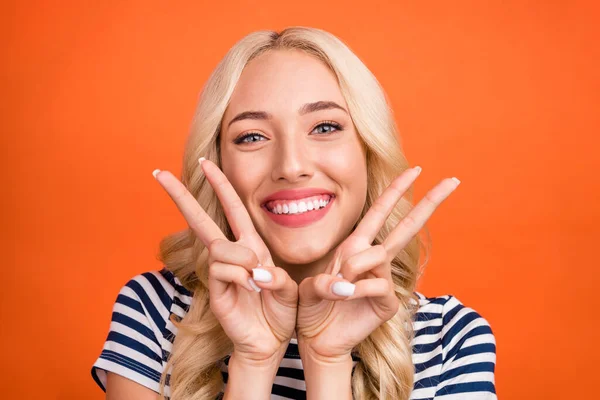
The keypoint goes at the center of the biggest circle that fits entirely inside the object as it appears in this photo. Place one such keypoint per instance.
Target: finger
(373, 259)
(416, 218)
(198, 220)
(315, 289)
(221, 275)
(235, 211)
(227, 252)
(374, 287)
(378, 213)
(277, 280)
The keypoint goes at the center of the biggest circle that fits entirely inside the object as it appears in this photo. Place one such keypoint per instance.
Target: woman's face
(292, 153)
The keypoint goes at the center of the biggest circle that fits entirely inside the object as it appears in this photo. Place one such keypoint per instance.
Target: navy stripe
(131, 303)
(426, 347)
(291, 373)
(170, 277)
(437, 300)
(468, 387)
(476, 349)
(437, 360)
(426, 316)
(159, 289)
(135, 325)
(426, 382)
(429, 330)
(131, 364)
(467, 369)
(433, 315)
(133, 345)
(458, 326)
(285, 391)
(148, 305)
(479, 330)
(181, 304)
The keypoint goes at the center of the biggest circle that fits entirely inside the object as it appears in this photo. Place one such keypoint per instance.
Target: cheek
(244, 173)
(347, 165)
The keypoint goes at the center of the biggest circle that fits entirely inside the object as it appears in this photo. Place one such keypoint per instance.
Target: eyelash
(240, 140)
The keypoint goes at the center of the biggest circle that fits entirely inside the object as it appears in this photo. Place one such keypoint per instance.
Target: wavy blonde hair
(385, 369)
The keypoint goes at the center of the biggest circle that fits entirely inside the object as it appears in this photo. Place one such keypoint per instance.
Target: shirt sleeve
(132, 348)
(469, 355)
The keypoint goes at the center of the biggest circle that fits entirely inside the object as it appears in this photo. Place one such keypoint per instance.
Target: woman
(296, 278)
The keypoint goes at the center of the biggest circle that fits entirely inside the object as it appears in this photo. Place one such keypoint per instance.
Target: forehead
(281, 81)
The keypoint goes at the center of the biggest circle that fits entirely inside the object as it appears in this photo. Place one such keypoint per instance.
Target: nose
(292, 161)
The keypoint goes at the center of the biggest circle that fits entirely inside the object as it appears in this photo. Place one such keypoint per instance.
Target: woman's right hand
(259, 323)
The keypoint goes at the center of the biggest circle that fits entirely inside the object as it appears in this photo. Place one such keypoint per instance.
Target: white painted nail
(343, 288)
(456, 180)
(339, 275)
(155, 172)
(261, 275)
(201, 159)
(253, 284)
(418, 169)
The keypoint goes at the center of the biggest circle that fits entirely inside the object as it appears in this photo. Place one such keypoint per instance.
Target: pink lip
(295, 194)
(299, 220)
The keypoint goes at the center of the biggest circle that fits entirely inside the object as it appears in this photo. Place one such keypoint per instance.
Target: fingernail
(155, 172)
(253, 284)
(339, 275)
(418, 169)
(343, 288)
(201, 159)
(456, 180)
(261, 275)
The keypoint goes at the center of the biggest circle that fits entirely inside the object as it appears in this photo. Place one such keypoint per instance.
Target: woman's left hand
(330, 325)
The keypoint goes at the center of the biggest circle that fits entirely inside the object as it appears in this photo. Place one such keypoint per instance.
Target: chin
(301, 253)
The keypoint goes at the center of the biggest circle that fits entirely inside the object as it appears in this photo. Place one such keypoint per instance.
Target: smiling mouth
(298, 206)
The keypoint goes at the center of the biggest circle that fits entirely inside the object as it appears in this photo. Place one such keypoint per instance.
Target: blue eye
(249, 138)
(252, 137)
(337, 126)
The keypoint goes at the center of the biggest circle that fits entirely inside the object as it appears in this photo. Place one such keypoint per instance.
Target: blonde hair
(385, 369)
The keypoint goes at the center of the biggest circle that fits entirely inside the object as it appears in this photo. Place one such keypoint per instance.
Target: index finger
(374, 219)
(235, 211)
(198, 220)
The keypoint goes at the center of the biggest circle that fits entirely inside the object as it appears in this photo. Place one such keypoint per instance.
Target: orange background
(503, 96)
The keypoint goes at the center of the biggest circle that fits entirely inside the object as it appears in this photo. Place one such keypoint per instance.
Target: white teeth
(300, 207)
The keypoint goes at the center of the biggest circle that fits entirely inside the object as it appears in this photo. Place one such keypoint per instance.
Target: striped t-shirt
(454, 349)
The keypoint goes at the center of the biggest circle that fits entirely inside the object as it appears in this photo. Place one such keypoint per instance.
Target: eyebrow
(305, 109)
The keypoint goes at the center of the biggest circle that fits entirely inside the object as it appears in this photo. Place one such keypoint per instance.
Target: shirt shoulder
(141, 332)
(455, 349)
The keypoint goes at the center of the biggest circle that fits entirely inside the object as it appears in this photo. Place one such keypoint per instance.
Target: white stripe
(462, 333)
(143, 359)
(468, 378)
(290, 382)
(423, 393)
(101, 365)
(132, 333)
(469, 396)
(422, 358)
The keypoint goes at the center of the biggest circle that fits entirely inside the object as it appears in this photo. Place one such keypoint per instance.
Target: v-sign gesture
(330, 325)
(258, 322)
